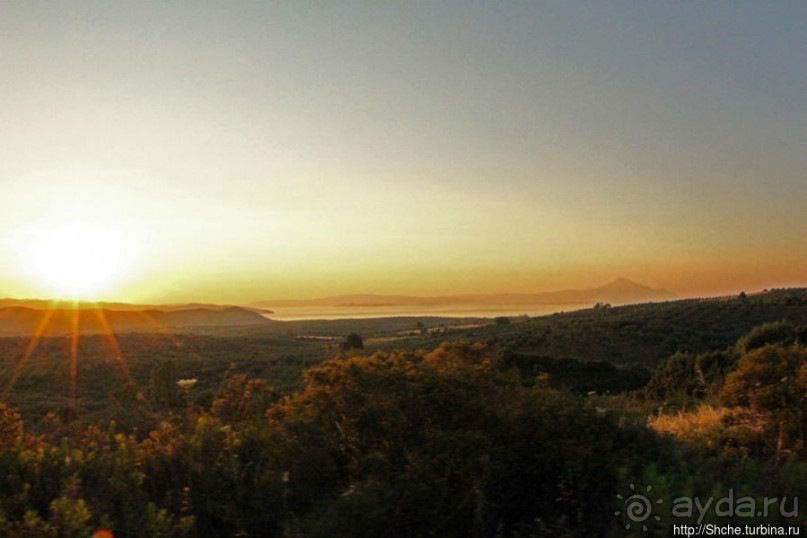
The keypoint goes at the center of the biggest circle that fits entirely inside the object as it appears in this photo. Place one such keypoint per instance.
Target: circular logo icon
(637, 507)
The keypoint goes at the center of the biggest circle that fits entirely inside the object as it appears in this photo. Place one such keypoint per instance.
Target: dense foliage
(395, 444)
(460, 439)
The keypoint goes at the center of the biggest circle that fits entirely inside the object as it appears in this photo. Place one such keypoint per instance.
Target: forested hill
(23, 321)
(644, 334)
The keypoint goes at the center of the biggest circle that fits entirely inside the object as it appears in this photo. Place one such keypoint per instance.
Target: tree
(352, 341)
(778, 332)
(772, 380)
(676, 380)
(242, 399)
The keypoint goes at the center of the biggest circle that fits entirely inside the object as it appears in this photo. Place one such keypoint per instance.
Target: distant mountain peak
(626, 288)
(622, 282)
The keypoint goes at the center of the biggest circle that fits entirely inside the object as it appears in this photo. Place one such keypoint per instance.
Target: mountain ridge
(48, 304)
(619, 291)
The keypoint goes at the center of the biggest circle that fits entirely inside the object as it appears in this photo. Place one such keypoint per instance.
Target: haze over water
(455, 311)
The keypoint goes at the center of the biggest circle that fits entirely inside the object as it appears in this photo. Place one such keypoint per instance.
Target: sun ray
(109, 334)
(75, 319)
(75, 332)
(162, 329)
(30, 348)
(165, 331)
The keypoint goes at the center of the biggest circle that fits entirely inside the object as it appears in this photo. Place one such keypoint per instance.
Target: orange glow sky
(240, 151)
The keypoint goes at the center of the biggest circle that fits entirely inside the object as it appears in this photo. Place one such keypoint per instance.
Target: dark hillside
(24, 321)
(643, 334)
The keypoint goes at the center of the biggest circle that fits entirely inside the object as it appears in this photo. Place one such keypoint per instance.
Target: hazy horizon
(230, 152)
(474, 301)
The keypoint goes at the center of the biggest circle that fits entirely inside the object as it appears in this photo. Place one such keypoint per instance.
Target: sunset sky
(240, 151)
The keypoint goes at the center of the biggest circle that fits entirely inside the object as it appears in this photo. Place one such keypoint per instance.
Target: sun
(75, 260)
